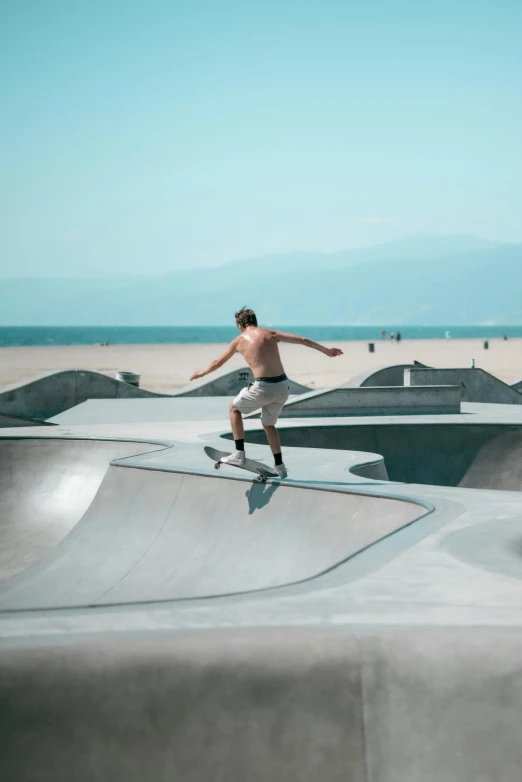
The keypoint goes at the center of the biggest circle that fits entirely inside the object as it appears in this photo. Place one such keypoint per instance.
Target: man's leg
(272, 435)
(238, 430)
(236, 421)
(269, 417)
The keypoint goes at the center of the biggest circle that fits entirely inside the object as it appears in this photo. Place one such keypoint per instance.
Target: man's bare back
(260, 350)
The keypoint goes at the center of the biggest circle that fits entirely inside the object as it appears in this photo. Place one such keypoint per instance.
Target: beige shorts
(270, 397)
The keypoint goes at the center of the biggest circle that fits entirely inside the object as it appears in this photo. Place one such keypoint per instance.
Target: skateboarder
(270, 389)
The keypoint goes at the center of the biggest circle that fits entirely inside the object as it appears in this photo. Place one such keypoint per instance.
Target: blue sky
(147, 136)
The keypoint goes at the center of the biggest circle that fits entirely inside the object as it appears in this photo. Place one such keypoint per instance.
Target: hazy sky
(150, 135)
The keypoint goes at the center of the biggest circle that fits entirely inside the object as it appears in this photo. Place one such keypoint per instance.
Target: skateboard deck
(263, 472)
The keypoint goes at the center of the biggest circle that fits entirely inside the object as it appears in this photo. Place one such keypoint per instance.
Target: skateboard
(263, 472)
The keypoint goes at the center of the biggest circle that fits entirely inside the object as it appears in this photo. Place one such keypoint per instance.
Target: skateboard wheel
(260, 479)
(217, 466)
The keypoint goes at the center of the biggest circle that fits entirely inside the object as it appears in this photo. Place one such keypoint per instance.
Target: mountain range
(418, 280)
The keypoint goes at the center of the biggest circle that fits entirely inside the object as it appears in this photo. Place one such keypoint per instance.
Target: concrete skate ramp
(46, 486)
(152, 535)
(477, 385)
(474, 456)
(498, 464)
(390, 375)
(53, 393)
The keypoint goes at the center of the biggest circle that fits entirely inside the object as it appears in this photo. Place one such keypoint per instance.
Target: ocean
(14, 336)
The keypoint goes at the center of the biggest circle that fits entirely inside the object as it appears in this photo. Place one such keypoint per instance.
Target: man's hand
(332, 352)
(197, 375)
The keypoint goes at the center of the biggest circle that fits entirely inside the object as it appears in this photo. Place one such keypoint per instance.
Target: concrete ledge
(392, 400)
(476, 384)
(8, 421)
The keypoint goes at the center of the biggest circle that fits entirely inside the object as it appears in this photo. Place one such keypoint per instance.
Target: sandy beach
(165, 367)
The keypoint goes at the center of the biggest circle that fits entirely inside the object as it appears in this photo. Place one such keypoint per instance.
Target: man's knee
(233, 409)
(268, 427)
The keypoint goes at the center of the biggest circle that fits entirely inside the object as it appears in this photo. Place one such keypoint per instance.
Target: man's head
(245, 317)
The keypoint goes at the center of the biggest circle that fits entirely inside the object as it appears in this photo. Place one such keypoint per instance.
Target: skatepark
(359, 620)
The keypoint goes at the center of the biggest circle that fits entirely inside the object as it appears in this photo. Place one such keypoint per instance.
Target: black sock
(278, 459)
(240, 445)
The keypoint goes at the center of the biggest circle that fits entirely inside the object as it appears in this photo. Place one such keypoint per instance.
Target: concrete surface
(133, 411)
(401, 662)
(374, 401)
(268, 704)
(46, 486)
(146, 536)
(476, 385)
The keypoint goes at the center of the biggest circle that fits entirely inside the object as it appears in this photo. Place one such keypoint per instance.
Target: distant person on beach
(392, 336)
(398, 337)
(383, 333)
(270, 388)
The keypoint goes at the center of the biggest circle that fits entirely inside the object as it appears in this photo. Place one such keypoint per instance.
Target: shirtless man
(270, 389)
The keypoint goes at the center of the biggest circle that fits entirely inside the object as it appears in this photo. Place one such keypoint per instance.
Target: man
(270, 389)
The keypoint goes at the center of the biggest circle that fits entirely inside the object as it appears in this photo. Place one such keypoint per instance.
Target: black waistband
(278, 379)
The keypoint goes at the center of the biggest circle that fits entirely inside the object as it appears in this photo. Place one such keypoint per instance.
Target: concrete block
(394, 400)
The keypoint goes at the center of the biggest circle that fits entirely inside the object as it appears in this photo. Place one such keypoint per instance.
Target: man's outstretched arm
(281, 336)
(223, 358)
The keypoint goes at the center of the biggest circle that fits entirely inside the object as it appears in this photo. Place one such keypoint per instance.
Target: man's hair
(246, 317)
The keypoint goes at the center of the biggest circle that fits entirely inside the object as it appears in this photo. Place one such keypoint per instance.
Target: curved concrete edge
(386, 375)
(309, 467)
(82, 570)
(374, 470)
(46, 486)
(497, 465)
(52, 393)
(517, 386)
(227, 382)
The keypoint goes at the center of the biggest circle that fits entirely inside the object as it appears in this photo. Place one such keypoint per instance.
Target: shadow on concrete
(259, 495)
